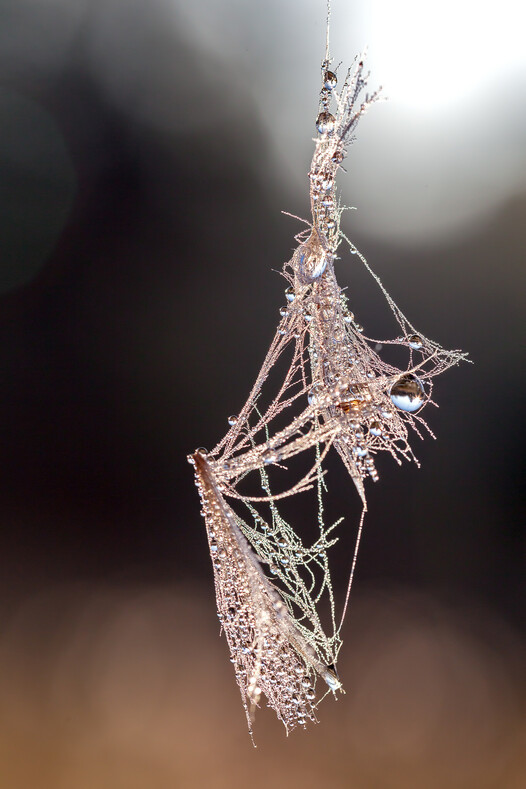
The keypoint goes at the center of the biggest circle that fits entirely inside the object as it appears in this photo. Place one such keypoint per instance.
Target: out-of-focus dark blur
(146, 151)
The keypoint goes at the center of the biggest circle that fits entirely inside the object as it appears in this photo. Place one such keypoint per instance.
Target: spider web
(274, 590)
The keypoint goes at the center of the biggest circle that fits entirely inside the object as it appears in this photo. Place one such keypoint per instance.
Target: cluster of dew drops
(407, 393)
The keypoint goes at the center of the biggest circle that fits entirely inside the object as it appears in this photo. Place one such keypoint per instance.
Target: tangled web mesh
(334, 392)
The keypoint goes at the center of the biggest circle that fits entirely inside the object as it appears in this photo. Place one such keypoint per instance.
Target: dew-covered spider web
(323, 389)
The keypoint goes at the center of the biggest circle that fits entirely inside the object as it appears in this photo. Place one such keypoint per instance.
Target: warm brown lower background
(131, 687)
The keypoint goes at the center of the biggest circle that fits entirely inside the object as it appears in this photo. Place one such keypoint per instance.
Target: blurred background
(146, 152)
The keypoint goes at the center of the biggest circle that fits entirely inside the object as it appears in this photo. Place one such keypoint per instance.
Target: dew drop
(325, 122)
(408, 393)
(361, 452)
(375, 429)
(337, 157)
(415, 342)
(289, 294)
(232, 420)
(313, 395)
(358, 327)
(283, 311)
(330, 80)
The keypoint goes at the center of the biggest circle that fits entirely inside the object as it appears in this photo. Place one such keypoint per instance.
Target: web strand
(338, 397)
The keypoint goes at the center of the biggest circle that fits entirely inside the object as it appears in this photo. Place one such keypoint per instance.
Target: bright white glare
(437, 53)
(446, 150)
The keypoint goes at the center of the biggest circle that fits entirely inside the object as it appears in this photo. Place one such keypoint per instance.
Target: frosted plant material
(323, 388)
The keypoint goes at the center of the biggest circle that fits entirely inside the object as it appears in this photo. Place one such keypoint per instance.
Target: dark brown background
(138, 301)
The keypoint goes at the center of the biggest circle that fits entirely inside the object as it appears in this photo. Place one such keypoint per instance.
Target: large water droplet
(338, 157)
(330, 80)
(415, 342)
(313, 263)
(289, 294)
(325, 122)
(232, 420)
(408, 393)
